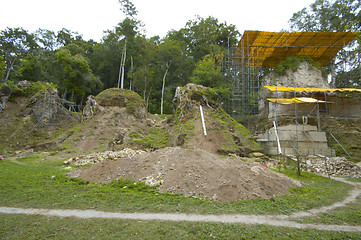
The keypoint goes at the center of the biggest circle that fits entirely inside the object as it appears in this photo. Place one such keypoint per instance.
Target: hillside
(120, 139)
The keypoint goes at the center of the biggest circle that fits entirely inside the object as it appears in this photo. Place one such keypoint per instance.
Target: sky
(91, 18)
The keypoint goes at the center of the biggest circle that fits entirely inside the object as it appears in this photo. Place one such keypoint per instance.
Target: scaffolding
(257, 52)
(306, 111)
(314, 106)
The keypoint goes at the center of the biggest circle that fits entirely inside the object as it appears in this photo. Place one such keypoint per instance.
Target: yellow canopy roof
(286, 101)
(267, 49)
(299, 89)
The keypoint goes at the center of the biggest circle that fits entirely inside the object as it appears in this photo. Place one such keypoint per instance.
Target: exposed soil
(193, 173)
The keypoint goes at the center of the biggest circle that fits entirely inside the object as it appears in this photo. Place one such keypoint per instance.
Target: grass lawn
(33, 182)
(43, 184)
(41, 227)
(351, 215)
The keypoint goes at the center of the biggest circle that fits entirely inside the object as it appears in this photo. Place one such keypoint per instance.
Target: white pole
(203, 123)
(277, 138)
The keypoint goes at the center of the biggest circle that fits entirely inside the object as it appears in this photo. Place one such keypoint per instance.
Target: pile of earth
(222, 134)
(192, 172)
(109, 122)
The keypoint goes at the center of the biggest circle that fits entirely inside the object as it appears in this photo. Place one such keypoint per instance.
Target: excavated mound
(192, 173)
(223, 134)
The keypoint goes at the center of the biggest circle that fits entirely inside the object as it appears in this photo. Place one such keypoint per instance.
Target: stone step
(294, 136)
(290, 144)
(290, 151)
(294, 127)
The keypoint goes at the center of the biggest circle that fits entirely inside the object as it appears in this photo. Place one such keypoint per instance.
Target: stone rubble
(334, 166)
(94, 158)
(153, 180)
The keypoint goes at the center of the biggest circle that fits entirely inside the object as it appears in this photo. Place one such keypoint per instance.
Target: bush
(293, 63)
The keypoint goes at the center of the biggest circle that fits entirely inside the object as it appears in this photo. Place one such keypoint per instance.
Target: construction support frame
(243, 75)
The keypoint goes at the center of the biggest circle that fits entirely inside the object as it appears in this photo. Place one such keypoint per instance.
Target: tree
(15, 44)
(144, 66)
(46, 39)
(109, 60)
(205, 36)
(31, 69)
(335, 15)
(76, 75)
(327, 16)
(169, 53)
(207, 73)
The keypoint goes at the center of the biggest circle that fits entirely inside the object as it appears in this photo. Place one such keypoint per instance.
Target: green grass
(36, 182)
(155, 138)
(351, 215)
(40, 183)
(41, 227)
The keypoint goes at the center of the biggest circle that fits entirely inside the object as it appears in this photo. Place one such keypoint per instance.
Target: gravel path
(272, 220)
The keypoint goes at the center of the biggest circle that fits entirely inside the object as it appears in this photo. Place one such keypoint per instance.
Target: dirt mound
(223, 134)
(123, 98)
(110, 121)
(33, 117)
(193, 173)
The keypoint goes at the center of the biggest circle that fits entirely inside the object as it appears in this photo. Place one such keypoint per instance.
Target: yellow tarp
(286, 101)
(298, 89)
(267, 49)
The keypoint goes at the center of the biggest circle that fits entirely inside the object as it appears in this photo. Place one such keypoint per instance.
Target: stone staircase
(296, 139)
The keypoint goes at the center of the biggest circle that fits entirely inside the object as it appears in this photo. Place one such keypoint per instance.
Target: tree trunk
(131, 71)
(8, 71)
(122, 63)
(145, 87)
(165, 74)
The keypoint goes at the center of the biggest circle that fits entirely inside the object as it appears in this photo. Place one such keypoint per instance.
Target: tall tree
(144, 64)
(107, 58)
(169, 54)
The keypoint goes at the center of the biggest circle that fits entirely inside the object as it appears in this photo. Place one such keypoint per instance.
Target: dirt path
(271, 220)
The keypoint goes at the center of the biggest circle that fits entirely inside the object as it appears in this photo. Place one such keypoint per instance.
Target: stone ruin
(306, 76)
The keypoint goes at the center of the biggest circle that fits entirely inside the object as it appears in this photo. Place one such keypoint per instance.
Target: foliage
(207, 73)
(204, 36)
(16, 43)
(27, 90)
(81, 67)
(76, 75)
(31, 69)
(293, 64)
(128, 8)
